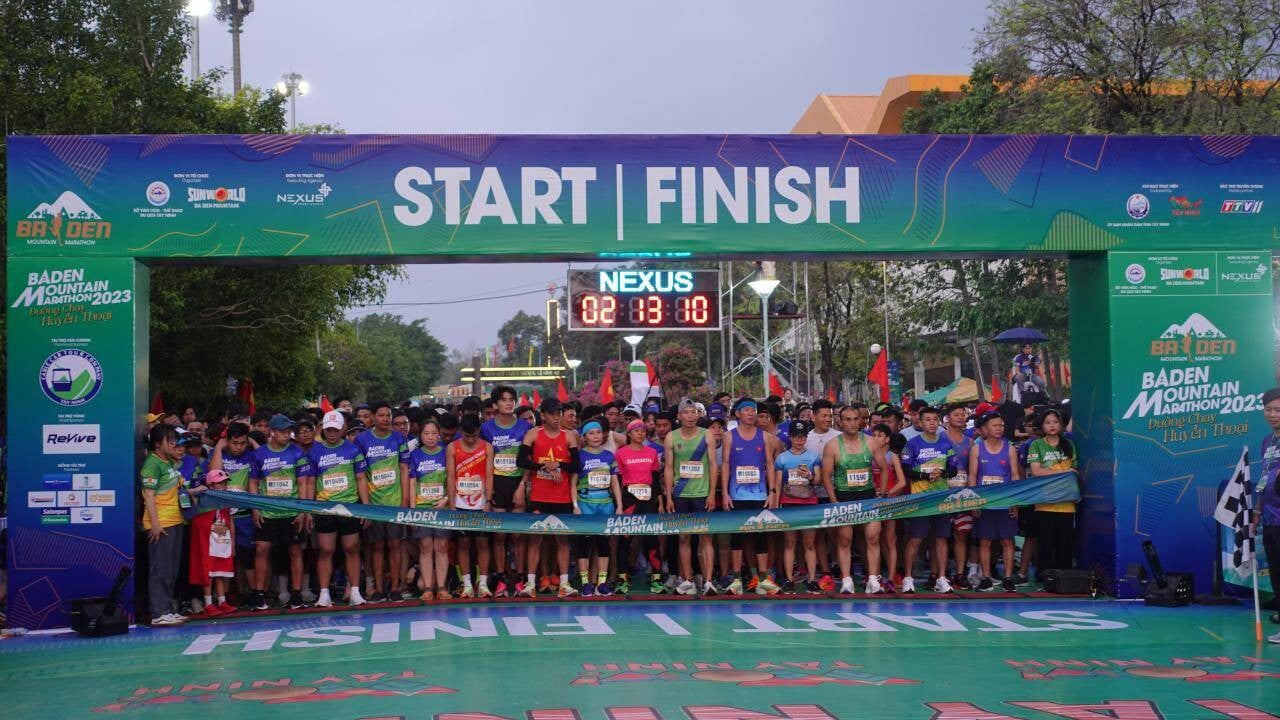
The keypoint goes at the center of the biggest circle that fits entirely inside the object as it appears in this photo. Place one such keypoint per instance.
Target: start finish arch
(1169, 240)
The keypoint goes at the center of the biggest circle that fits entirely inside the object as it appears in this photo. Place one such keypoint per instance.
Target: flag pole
(1257, 607)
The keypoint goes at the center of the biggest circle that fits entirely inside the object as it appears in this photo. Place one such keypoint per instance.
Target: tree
(408, 360)
(679, 371)
(233, 12)
(524, 336)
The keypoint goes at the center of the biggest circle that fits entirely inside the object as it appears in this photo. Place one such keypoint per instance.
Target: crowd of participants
(491, 455)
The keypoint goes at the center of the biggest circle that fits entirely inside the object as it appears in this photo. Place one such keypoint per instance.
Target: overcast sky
(554, 66)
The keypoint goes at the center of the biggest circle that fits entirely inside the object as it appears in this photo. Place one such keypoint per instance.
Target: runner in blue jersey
(280, 470)
(384, 449)
(750, 483)
(340, 477)
(596, 493)
(994, 461)
(927, 463)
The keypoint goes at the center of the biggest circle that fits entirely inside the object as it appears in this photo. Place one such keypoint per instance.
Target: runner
(504, 432)
(469, 462)
(598, 495)
(993, 461)
(162, 521)
(233, 454)
(846, 466)
(690, 486)
(551, 454)
(927, 463)
(751, 483)
(1055, 522)
(426, 468)
(800, 473)
(821, 417)
(955, 419)
(890, 482)
(280, 470)
(340, 477)
(383, 448)
(638, 468)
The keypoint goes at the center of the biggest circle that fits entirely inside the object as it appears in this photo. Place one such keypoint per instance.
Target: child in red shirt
(213, 551)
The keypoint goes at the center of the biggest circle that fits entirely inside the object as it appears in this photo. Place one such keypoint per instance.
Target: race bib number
(640, 492)
(747, 475)
(598, 479)
(334, 482)
(279, 487)
(857, 478)
(553, 476)
(794, 477)
(691, 470)
(470, 486)
(504, 465)
(385, 478)
(992, 479)
(220, 545)
(430, 492)
(957, 481)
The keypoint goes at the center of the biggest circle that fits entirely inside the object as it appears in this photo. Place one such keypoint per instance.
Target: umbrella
(960, 390)
(1021, 335)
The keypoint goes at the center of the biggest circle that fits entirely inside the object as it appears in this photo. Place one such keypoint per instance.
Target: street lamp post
(292, 85)
(764, 287)
(573, 365)
(633, 341)
(197, 9)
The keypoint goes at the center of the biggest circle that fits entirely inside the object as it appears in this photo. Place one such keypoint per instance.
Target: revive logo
(72, 439)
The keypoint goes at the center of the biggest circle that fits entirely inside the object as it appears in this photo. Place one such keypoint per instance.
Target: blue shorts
(591, 508)
(995, 525)
(244, 531)
(690, 504)
(919, 528)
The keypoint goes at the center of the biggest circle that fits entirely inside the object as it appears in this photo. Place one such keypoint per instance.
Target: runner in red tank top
(551, 452)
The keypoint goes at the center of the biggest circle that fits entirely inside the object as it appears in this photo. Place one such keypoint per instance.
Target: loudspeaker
(101, 616)
(1070, 582)
(1178, 590)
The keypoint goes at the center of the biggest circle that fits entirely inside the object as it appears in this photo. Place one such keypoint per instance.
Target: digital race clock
(644, 299)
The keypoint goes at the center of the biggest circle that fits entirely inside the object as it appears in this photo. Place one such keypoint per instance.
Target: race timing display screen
(630, 299)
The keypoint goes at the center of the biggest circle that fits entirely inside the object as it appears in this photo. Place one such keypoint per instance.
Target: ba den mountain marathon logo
(1188, 389)
(68, 220)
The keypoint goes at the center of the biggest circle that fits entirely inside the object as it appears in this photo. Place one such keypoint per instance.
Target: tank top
(993, 467)
(551, 487)
(961, 460)
(692, 476)
(635, 470)
(595, 479)
(468, 473)
(746, 474)
(429, 471)
(852, 470)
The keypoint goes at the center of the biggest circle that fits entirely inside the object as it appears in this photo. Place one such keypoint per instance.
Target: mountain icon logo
(550, 523)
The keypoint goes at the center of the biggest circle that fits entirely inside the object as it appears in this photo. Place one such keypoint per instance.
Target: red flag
(996, 393)
(561, 393)
(325, 405)
(537, 399)
(524, 399)
(157, 404)
(831, 394)
(511, 344)
(880, 375)
(775, 385)
(245, 395)
(606, 388)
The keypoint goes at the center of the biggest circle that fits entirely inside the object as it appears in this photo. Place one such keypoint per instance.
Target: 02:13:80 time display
(686, 311)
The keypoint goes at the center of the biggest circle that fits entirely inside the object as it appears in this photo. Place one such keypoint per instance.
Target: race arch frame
(1169, 241)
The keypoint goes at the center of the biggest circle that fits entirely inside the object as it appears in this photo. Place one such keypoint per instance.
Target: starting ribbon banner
(1062, 487)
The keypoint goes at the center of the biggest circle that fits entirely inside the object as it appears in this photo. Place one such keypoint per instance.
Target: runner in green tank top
(690, 480)
(846, 463)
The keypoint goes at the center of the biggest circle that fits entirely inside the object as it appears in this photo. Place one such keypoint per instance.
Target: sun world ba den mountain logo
(215, 198)
(68, 220)
(1194, 339)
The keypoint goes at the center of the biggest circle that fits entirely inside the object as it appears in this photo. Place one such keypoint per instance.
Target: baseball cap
(633, 408)
(986, 417)
(983, 409)
(306, 420)
(154, 417)
(280, 422)
(685, 404)
(216, 476)
(333, 419)
(187, 438)
(653, 406)
(800, 427)
(357, 426)
(715, 411)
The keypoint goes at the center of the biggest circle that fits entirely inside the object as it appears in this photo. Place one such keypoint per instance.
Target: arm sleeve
(524, 458)
(575, 461)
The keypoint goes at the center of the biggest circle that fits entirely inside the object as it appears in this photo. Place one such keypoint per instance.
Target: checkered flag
(1235, 510)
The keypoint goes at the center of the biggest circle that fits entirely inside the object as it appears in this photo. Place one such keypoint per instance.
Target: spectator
(162, 520)
(1027, 369)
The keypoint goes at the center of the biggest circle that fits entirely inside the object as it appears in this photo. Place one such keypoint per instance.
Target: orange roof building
(881, 114)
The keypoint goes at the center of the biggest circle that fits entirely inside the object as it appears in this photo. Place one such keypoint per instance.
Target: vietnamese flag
(325, 405)
(561, 393)
(606, 388)
(524, 399)
(775, 385)
(537, 399)
(996, 393)
(880, 375)
(831, 394)
(245, 395)
(157, 404)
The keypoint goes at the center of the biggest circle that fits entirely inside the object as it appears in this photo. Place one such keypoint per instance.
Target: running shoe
(555, 581)
(813, 588)
(295, 602)
(686, 587)
(486, 594)
(943, 585)
(259, 601)
(566, 590)
(656, 586)
(962, 582)
(168, 619)
(500, 590)
(908, 585)
(709, 589)
(377, 597)
(604, 589)
(356, 598)
(1009, 584)
(544, 586)
(788, 586)
(672, 582)
(308, 596)
(752, 583)
(766, 587)
(467, 592)
(873, 585)
(889, 586)
(985, 585)
(827, 583)
(212, 611)
(622, 588)
(324, 600)
(1019, 579)
(588, 589)
(734, 587)
(526, 590)
(1273, 639)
